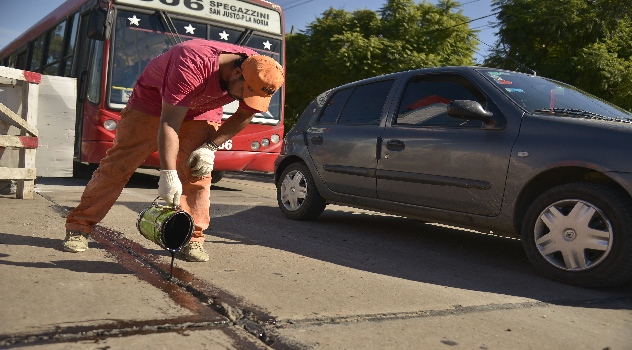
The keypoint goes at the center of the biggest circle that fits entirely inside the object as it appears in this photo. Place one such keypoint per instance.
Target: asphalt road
(352, 279)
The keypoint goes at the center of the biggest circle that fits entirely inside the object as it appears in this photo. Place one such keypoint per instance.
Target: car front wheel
(297, 195)
(580, 234)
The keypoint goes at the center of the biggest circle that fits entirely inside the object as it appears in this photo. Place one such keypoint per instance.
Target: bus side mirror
(99, 24)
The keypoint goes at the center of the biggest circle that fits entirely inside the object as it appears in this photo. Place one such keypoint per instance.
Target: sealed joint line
(183, 288)
(457, 310)
(119, 329)
(209, 303)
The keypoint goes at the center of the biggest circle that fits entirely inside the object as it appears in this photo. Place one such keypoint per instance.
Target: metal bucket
(169, 227)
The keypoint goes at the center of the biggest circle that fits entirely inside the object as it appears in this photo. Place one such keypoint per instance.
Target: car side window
(424, 103)
(334, 106)
(366, 104)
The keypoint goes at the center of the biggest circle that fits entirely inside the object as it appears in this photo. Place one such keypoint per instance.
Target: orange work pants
(136, 138)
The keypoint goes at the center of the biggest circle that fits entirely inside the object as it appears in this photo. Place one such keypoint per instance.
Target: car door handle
(317, 140)
(395, 145)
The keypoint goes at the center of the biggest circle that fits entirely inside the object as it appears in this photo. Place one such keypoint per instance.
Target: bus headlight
(275, 138)
(265, 142)
(255, 145)
(109, 124)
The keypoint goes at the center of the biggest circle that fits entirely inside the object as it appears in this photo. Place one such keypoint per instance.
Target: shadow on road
(102, 267)
(391, 246)
(80, 265)
(408, 249)
(138, 180)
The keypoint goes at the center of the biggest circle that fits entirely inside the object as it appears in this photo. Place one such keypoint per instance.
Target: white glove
(170, 187)
(201, 161)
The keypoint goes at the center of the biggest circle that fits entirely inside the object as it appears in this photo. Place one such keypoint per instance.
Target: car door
(342, 143)
(433, 160)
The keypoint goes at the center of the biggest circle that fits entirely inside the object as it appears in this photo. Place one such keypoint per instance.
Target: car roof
(434, 70)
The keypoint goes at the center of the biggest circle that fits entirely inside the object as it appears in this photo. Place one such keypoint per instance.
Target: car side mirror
(466, 109)
(99, 24)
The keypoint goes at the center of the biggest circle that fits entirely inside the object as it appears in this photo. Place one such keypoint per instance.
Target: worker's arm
(236, 123)
(171, 118)
(169, 185)
(202, 159)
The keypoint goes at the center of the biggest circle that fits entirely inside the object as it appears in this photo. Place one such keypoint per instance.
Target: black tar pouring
(168, 226)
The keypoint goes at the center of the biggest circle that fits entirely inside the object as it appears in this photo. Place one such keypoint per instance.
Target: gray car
(478, 148)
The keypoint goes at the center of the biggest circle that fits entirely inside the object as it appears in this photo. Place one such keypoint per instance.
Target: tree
(341, 47)
(586, 43)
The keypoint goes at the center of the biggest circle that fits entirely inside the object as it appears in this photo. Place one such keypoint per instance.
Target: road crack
(455, 311)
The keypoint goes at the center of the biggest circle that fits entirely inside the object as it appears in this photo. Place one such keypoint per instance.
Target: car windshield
(139, 37)
(538, 95)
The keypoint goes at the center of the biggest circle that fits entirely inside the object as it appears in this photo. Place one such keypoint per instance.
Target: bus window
(94, 81)
(52, 69)
(228, 35)
(36, 56)
(190, 30)
(12, 60)
(20, 63)
(82, 52)
(72, 33)
(55, 45)
(266, 46)
(138, 38)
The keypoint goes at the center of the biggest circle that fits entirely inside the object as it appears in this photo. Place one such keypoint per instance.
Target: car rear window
(334, 106)
(363, 104)
(366, 104)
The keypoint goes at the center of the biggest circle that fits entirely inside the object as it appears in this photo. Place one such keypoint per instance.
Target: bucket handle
(174, 207)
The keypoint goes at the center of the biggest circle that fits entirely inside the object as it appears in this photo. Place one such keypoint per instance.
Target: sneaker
(194, 251)
(75, 242)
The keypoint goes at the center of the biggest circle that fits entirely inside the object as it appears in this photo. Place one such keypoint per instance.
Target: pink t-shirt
(187, 75)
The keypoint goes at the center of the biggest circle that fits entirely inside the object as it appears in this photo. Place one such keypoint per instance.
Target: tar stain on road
(212, 308)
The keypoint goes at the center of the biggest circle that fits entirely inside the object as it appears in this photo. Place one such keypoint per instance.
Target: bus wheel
(83, 170)
(216, 176)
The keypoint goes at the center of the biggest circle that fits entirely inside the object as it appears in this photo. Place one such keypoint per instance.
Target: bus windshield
(140, 37)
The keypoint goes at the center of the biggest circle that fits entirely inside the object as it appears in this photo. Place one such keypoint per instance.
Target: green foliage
(586, 43)
(341, 47)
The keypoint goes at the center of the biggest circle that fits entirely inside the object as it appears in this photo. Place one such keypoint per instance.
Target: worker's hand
(169, 187)
(201, 161)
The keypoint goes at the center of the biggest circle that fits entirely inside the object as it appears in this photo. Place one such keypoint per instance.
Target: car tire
(581, 234)
(297, 195)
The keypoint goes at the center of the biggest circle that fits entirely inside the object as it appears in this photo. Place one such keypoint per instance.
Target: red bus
(106, 44)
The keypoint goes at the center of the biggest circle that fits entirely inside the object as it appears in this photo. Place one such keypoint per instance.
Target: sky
(16, 16)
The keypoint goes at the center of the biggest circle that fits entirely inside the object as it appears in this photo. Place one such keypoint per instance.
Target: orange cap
(263, 76)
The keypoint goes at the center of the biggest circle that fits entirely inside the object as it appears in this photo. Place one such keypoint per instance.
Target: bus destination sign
(231, 11)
